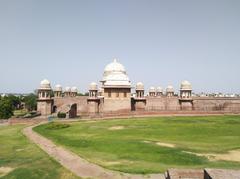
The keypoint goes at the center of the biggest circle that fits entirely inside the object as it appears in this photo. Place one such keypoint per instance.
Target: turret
(170, 91)
(185, 90)
(185, 97)
(139, 90)
(67, 92)
(159, 91)
(74, 91)
(93, 100)
(58, 91)
(152, 91)
(93, 90)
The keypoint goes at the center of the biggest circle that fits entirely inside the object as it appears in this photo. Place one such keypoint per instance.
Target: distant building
(114, 97)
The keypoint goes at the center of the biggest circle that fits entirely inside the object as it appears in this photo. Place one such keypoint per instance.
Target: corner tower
(44, 102)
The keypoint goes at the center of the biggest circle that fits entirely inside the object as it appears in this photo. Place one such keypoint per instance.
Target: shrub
(61, 115)
(54, 125)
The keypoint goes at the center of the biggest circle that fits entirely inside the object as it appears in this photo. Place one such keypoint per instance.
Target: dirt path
(76, 164)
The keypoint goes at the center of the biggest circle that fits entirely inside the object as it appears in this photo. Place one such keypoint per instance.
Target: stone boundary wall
(156, 105)
(217, 104)
(13, 121)
(205, 104)
(202, 174)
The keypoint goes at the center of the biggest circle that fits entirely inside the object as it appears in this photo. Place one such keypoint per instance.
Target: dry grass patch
(233, 155)
(5, 170)
(165, 144)
(116, 128)
(162, 144)
(19, 150)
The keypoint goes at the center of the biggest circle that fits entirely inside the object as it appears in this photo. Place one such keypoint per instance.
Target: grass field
(22, 159)
(131, 145)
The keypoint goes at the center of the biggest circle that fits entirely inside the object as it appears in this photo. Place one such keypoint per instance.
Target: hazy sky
(159, 42)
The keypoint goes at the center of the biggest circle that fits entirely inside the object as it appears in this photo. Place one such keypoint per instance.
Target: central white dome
(114, 67)
(115, 75)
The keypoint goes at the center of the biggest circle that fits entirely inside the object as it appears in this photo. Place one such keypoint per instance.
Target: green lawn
(26, 160)
(133, 149)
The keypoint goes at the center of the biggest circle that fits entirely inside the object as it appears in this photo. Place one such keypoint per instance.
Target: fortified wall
(202, 104)
(149, 105)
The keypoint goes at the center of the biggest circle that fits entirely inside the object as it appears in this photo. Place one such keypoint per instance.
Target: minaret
(44, 102)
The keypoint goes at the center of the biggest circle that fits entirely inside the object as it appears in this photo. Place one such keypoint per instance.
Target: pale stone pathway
(78, 165)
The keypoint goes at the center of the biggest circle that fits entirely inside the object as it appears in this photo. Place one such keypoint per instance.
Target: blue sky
(158, 42)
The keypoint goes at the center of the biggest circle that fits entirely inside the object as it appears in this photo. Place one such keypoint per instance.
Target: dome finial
(115, 60)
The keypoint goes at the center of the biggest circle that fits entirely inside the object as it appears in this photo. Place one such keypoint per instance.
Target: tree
(30, 102)
(15, 101)
(6, 108)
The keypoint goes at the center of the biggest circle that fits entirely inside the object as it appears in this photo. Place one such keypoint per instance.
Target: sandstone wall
(93, 106)
(122, 105)
(204, 104)
(81, 101)
(216, 104)
(116, 104)
(44, 107)
(162, 104)
(139, 105)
